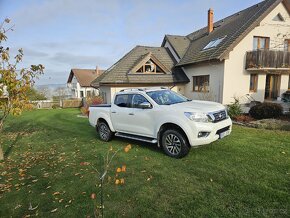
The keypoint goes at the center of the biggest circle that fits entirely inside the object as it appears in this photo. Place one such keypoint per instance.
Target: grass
(244, 175)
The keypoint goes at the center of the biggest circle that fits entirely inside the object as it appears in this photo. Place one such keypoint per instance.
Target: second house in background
(79, 82)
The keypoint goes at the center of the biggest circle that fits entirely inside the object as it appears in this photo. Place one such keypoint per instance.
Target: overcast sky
(65, 34)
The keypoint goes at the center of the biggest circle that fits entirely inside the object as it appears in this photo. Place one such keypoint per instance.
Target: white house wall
(216, 74)
(237, 79)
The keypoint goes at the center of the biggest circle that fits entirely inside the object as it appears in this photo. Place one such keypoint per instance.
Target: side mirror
(145, 105)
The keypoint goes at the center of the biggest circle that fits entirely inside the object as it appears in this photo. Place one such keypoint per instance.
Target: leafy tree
(14, 83)
(34, 95)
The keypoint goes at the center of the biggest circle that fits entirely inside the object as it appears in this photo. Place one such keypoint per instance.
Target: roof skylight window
(214, 43)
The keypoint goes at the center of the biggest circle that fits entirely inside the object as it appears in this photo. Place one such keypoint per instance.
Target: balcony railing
(268, 59)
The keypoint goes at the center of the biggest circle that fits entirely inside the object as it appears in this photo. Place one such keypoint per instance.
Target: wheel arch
(167, 126)
(104, 120)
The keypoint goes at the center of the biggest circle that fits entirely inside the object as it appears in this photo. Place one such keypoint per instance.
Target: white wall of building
(216, 74)
(78, 91)
(237, 78)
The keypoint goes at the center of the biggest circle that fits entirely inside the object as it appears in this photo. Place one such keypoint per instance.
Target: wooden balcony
(268, 60)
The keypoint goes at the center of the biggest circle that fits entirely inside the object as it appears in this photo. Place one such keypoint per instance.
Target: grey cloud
(79, 60)
(34, 53)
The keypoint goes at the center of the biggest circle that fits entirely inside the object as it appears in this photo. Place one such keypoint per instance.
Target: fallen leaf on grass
(18, 206)
(66, 206)
(56, 193)
(54, 210)
(149, 178)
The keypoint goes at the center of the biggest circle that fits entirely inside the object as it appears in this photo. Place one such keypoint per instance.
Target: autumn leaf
(127, 148)
(117, 182)
(124, 168)
(54, 210)
(119, 170)
(122, 181)
(93, 196)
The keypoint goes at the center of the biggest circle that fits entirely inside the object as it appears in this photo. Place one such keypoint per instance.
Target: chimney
(97, 71)
(210, 21)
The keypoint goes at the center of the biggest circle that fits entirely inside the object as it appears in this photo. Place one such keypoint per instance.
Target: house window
(253, 82)
(149, 67)
(261, 42)
(287, 45)
(200, 83)
(81, 94)
(89, 94)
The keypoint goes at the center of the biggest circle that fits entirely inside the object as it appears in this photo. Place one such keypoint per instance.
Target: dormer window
(149, 67)
(149, 64)
(214, 43)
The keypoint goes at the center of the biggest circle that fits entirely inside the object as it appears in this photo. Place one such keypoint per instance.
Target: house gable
(149, 64)
(237, 77)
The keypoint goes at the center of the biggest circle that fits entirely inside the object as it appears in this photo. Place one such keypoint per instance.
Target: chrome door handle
(113, 112)
(131, 114)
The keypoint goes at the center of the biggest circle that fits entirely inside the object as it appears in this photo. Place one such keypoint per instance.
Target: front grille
(219, 116)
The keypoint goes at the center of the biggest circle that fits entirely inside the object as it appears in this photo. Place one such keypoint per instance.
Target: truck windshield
(167, 97)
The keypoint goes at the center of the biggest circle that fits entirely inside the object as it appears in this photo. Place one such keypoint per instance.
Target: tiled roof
(84, 76)
(234, 27)
(120, 73)
(178, 43)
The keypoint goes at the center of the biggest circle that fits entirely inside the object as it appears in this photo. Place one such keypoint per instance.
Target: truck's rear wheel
(175, 144)
(104, 131)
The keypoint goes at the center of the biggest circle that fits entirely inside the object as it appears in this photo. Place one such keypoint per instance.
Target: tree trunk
(1, 153)
(1, 150)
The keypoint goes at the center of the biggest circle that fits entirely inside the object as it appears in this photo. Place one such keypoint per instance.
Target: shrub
(96, 100)
(234, 109)
(85, 111)
(266, 110)
(54, 106)
(244, 118)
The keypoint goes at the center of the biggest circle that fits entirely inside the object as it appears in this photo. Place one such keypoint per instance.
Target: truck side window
(137, 100)
(122, 101)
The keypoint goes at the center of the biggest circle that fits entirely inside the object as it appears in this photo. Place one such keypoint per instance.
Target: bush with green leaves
(266, 110)
(234, 109)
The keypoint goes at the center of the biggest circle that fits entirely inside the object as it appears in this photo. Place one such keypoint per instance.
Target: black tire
(104, 131)
(175, 144)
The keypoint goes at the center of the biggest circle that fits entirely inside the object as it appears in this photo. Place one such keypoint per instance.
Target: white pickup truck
(163, 117)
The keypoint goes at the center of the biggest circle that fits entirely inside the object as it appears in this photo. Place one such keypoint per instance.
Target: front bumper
(215, 129)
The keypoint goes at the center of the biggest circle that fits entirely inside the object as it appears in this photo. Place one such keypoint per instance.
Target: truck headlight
(198, 117)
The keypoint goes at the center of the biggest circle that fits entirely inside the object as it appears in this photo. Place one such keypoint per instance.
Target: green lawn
(244, 175)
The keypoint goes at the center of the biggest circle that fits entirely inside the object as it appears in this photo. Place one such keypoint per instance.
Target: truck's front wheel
(175, 144)
(104, 131)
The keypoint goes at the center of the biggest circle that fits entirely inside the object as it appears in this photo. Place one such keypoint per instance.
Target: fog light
(203, 134)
